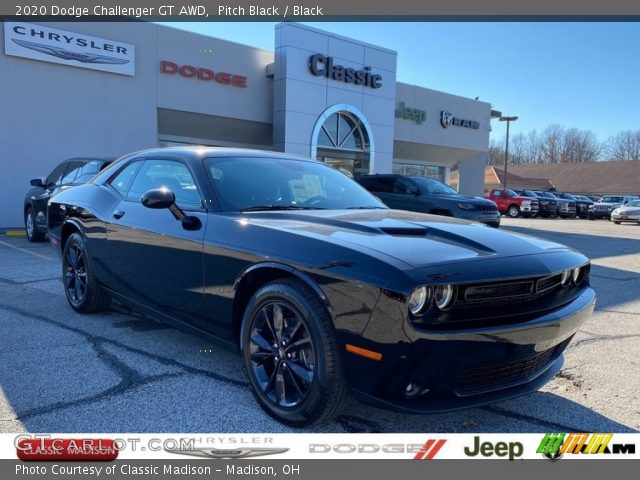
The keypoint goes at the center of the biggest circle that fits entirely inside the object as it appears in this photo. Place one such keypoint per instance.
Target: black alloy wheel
(282, 354)
(82, 289)
(291, 355)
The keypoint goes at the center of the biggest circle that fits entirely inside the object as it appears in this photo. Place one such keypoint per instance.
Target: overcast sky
(584, 75)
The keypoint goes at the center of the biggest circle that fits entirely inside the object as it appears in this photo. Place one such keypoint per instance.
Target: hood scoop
(405, 231)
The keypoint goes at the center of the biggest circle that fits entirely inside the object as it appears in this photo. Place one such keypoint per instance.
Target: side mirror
(158, 198)
(37, 182)
(161, 198)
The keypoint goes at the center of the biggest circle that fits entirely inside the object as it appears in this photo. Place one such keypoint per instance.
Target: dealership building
(105, 89)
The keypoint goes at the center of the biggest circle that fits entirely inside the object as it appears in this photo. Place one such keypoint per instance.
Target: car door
(153, 259)
(405, 196)
(381, 186)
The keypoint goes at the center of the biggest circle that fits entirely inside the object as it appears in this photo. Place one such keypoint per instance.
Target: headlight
(577, 274)
(419, 299)
(616, 211)
(443, 296)
(566, 278)
(466, 206)
(526, 203)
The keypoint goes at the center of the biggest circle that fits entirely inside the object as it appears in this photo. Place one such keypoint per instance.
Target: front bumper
(456, 369)
(599, 213)
(488, 218)
(616, 217)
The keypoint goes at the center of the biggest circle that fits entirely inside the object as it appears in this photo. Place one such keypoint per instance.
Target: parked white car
(627, 213)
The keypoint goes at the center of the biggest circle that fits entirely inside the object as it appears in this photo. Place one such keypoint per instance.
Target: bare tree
(624, 146)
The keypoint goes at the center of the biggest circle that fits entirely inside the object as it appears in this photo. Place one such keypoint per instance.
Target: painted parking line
(20, 249)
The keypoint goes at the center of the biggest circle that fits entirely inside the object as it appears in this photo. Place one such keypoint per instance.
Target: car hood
(415, 239)
(631, 210)
(456, 197)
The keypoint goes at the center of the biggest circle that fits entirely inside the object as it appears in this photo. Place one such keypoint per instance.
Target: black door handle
(118, 214)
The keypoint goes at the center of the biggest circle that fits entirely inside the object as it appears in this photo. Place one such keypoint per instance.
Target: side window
(72, 172)
(122, 181)
(168, 174)
(404, 186)
(381, 184)
(496, 193)
(55, 176)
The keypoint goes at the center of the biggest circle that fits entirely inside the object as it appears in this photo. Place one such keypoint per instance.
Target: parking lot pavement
(120, 372)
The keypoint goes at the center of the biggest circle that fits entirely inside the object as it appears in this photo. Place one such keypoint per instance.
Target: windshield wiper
(261, 208)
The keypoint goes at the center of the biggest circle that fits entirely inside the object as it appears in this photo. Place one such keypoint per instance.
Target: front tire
(84, 293)
(30, 228)
(513, 211)
(291, 355)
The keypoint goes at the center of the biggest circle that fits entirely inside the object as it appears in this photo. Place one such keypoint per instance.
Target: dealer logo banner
(37, 42)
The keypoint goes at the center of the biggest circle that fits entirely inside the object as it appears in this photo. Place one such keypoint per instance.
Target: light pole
(506, 150)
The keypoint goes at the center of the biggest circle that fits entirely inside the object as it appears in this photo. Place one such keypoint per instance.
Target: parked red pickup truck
(511, 204)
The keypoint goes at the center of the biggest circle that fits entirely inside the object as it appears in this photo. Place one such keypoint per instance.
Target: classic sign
(323, 66)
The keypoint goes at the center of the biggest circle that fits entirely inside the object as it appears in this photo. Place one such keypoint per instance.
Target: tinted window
(89, 169)
(242, 183)
(378, 184)
(55, 176)
(404, 186)
(122, 181)
(166, 174)
(72, 172)
(430, 185)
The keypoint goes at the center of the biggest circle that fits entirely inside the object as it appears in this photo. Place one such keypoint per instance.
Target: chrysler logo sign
(37, 42)
(447, 119)
(218, 453)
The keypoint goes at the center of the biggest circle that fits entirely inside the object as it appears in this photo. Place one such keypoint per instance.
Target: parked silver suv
(608, 204)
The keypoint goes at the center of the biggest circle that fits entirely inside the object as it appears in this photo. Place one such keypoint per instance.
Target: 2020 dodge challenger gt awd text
(325, 291)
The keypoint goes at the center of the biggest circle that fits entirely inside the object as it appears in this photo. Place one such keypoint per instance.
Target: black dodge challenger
(325, 291)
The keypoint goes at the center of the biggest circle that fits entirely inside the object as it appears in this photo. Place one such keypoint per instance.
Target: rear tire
(84, 293)
(33, 235)
(291, 355)
(616, 222)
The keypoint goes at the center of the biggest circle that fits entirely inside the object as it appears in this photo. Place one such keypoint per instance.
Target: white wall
(51, 112)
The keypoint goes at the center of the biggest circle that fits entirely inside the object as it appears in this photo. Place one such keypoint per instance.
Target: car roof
(90, 159)
(197, 152)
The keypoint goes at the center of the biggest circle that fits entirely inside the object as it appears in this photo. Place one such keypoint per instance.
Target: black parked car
(323, 289)
(582, 203)
(428, 195)
(566, 208)
(548, 206)
(70, 172)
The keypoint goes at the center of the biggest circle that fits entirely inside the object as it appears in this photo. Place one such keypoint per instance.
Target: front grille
(487, 208)
(485, 378)
(602, 208)
(505, 292)
(498, 291)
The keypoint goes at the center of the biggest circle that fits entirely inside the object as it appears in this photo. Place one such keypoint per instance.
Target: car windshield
(271, 183)
(634, 203)
(612, 200)
(433, 186)
(529, 193)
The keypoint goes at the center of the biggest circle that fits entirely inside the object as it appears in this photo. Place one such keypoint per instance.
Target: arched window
(342, 138)
(343, 131)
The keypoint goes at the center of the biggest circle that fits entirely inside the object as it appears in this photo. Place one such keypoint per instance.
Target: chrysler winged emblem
(209, 452)
(446, 119)
(68, 55)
